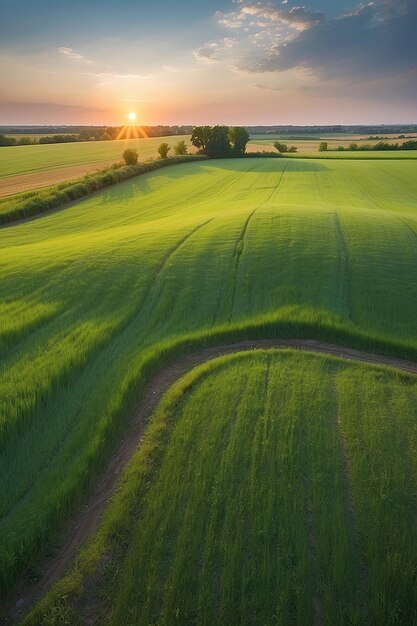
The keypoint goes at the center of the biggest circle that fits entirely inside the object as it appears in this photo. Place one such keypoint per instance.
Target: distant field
(323, 136)
(280, 493)
(29, 167)
(311, 145)
(358, 155)
(37, 136)
(96, 298)
(23, 168)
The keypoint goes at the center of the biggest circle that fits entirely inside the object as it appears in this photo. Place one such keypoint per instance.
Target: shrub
(180, 148)
(7, 141)
(130, 156)
(323, 146)
(25, 141)
(281, 147)
(163, 150)
(409, 145)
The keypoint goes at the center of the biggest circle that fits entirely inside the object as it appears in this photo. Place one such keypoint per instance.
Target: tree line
(211, 141)
(368, 147)
(109, 133)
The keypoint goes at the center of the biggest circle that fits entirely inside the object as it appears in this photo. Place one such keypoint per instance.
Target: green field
(283, 497)
(97, 297)
(16, 160)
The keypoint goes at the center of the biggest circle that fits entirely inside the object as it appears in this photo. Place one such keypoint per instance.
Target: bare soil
(36, 180)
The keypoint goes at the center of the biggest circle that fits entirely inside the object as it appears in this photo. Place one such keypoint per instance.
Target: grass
(284, 497)
(33, 203)
(17, 160)
(97, 297)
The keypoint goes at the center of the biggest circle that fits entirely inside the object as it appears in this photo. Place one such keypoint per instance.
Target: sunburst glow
(132, 116)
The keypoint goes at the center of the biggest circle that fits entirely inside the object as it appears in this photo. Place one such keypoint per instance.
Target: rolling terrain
(96, 298)
(23, 168)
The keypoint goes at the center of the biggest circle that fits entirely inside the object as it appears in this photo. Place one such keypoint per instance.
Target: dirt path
(36, 180)
(87, 520)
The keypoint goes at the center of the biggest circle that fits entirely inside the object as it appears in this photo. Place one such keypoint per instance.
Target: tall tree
(219, 143)
(239, 138)
(200, 137)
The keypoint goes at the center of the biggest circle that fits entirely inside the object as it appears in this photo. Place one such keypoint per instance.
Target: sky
(208, 62)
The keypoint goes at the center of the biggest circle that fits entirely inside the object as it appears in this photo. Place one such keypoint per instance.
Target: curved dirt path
(87, 520)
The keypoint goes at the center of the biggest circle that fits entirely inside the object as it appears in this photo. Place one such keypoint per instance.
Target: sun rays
(132, 131)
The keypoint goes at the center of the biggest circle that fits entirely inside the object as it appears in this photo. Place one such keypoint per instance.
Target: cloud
(298, 18)
(376, 40)
(71, 54)
(212, 50)
(267, 88)
(207, 52)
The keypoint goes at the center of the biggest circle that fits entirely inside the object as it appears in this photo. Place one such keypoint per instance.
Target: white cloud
(71, 54)
(211, 51)
(298, 18)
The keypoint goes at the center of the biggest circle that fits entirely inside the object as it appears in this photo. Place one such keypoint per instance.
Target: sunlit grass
(97, 297)
(271, 487)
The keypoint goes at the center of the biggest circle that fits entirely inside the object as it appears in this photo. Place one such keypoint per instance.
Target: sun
(132, 116)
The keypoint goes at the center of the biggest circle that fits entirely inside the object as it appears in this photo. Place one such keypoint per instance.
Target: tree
(25, 141)
(219, 144)
(84, 135)
(181, 148)
(281, 147)
(239, 138)
(212, 141)
(163, 150)
(293, 149)
(353, 146)
(200, 137)
(323, 146)
(130, 156)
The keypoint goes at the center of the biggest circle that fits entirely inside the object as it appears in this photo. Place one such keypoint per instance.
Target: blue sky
(192, 61)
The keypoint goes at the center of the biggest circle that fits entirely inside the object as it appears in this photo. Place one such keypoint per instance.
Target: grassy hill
(283, 493)
(95, 298)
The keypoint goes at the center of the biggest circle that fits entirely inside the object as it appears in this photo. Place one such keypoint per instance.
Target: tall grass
(280, 497)
(33, 203)
(95, 299)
